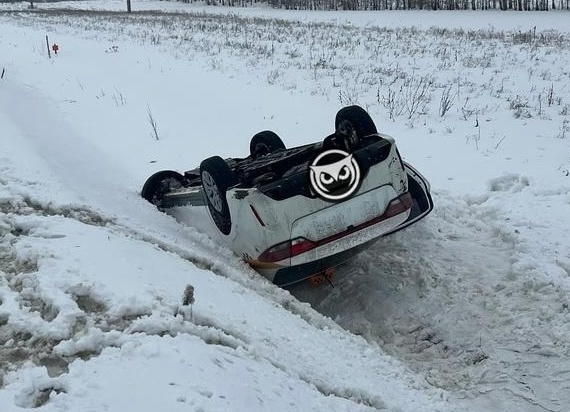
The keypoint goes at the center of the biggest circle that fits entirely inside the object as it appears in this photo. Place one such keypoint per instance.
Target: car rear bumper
(395, 214)
(292, 274)
(344, 248)
(337, 248)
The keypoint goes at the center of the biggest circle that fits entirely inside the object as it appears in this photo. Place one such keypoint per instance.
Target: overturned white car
(293, 213)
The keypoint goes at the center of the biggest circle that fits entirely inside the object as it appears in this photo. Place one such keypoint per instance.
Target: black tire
(217, 177)
(265, 142)
(352, 123)
(160, 183)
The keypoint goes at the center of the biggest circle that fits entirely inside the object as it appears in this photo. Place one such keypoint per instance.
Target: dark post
(47, 44)
(128, 6)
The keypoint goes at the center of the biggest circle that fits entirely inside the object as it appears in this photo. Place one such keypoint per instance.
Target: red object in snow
(55, 48)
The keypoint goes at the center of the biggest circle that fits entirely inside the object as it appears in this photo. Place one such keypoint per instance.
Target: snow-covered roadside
(97, 308)
(474, 299)
(482, 310)
(92, 280)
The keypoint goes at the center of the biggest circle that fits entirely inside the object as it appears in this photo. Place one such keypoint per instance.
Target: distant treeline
(519, 5)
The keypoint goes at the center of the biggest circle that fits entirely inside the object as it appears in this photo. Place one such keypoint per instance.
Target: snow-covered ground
(467, 310)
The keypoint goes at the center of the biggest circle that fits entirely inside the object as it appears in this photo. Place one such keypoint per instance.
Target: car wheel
(217, 177)
(159, 184)
(353, 123)
(265, 142)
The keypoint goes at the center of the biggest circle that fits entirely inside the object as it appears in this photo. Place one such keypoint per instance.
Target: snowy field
(469, 310)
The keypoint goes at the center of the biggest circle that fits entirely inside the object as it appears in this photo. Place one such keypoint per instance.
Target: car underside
(295, 212)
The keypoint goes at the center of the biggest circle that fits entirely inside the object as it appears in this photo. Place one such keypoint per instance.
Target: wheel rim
(348, 131)
(212, 191)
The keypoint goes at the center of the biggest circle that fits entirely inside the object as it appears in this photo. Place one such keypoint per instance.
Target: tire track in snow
(94, 328)
(21, 294)
(97, 328)
(30, 330)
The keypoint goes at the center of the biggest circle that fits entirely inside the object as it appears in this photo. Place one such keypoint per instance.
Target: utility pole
(128, 6)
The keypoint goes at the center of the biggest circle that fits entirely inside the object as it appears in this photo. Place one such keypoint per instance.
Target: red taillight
(287, 250)
(291, 248)
(301, 245)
